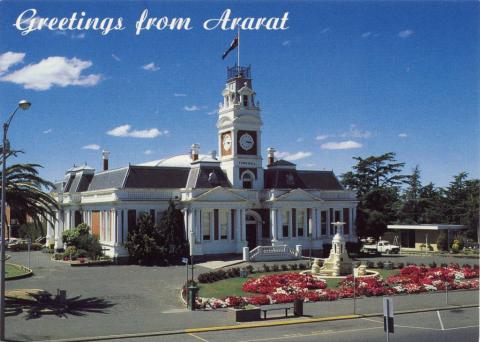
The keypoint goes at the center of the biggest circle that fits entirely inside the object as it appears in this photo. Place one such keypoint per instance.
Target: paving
(146, 299)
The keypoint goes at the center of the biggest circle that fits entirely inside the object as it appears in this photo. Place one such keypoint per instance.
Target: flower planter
(246, 315)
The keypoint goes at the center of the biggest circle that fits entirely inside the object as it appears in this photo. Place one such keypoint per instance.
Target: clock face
(246, 141)
(227, 142)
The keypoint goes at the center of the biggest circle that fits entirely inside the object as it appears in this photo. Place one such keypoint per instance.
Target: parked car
(380, 247)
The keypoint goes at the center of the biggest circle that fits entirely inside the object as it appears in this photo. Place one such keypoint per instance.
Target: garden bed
(288, 287)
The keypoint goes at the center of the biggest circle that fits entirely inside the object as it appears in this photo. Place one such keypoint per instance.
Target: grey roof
(282, 162)
(207, 177)
(156, 177)
(108, 179)
(291, 179)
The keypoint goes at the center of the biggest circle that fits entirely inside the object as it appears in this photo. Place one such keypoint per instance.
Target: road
(438, 326)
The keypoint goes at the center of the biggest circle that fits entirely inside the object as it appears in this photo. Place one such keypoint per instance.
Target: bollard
(246, 256)
(192, 291)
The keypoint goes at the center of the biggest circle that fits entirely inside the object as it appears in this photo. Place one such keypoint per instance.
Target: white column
(306, 224)
(229, 224)
(50, 232)
(125, 224)
(280, 224)
(238, 225)
(117, 227)
(273, 224)
(341, 220)
(244, 225)
(59, 230)
(313, 220)
(198, 223)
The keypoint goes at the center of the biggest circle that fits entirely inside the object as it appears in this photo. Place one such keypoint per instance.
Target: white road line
(466, 327)
(440, 319)
(285, 337)
(198, 337)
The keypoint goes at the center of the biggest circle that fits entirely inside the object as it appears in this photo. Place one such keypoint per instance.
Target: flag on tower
(233, 45)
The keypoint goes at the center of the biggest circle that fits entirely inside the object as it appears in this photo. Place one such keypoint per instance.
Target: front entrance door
(252, 235)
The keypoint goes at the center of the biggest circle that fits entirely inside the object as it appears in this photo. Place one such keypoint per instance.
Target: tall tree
(26, 193)
(377, 180)
(409, 207)
(172, 231)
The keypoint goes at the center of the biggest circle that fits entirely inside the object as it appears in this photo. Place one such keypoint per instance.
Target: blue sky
(346, 79)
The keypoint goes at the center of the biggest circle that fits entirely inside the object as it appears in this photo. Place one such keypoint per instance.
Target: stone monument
(338, 262)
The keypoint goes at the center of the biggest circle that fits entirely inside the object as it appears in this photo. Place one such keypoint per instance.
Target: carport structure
(417, 236)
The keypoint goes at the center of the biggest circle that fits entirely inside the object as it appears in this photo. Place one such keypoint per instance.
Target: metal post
(29, 241)
(191, 261)
(446, 293)
(354, 293)
(2, 240)
(388, 310)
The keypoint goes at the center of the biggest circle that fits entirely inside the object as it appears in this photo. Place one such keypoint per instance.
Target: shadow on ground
(44, 303)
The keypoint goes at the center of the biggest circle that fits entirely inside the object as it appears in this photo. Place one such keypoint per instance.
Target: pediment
(297, 195)
(219, 194)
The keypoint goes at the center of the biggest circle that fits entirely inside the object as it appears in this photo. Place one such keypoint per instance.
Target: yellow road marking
(269, 324)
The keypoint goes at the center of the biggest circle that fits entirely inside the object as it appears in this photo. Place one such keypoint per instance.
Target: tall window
(300, 222)
(245, 100)
(206, 219)
(323, 222)
(285, 222)
(215, 224)
(294, 223)
(332, 219)
(346, 219)
(224, 224)
(247, 180)
(233, 222)
(132, 219)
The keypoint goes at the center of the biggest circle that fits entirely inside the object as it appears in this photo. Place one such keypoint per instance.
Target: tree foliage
(387, 196)
(148, 243)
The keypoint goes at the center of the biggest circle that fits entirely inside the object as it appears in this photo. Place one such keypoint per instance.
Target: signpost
(388, 315)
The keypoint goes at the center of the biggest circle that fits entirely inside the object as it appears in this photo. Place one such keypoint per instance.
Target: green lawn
(13, 271)
(233, 286)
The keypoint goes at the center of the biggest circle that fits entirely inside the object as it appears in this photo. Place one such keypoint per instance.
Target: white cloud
(300, 139)
(91, 147)
(126, 131)
(78, 36)
(212, 112)
(321, 137)
(293, 156)
(47, 131)
(115, 57)
(150, 67)
(179, 95)
(325, 30)
(366, 34)
(53, 71)
(354, 132)
(10, 58)
(341, 145)
(286, 43)
(147, 152)
(406, 33)
(403, 135)
(191, 108)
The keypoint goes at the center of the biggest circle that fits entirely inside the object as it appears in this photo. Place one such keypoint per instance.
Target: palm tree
(26, 193)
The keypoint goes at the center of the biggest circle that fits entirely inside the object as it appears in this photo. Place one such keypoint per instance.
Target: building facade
(229, 201)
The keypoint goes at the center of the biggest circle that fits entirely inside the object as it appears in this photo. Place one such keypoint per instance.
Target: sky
(345, 79)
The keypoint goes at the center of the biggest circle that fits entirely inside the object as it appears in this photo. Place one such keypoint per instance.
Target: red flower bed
(286, 288)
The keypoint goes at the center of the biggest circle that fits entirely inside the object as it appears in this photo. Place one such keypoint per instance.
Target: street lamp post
(5, 149)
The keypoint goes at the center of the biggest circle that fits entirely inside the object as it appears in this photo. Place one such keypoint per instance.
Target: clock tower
(239, 131)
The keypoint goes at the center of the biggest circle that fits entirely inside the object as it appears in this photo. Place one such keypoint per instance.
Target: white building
(229, 202)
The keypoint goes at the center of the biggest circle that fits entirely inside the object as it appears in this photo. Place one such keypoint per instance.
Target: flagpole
(238, 50)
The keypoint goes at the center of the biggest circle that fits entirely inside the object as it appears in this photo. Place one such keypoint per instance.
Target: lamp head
(24, 104)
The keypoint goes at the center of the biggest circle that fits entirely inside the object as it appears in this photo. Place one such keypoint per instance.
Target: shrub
(442, 243)
(58, 256)
(443, 264)
(370, 264)
(353, 247)
(433, 264)
(275, 268)
(70, 251)
(293, 267)
(221, 274)
(236, 271)
(203, 278)
(250, 269)
(380, 264)
(284, 267)
(48, 250)
(302, 266)
(266, 268)
(400, 265)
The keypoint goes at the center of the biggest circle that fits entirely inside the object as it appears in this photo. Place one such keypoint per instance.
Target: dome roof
(182, 160)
